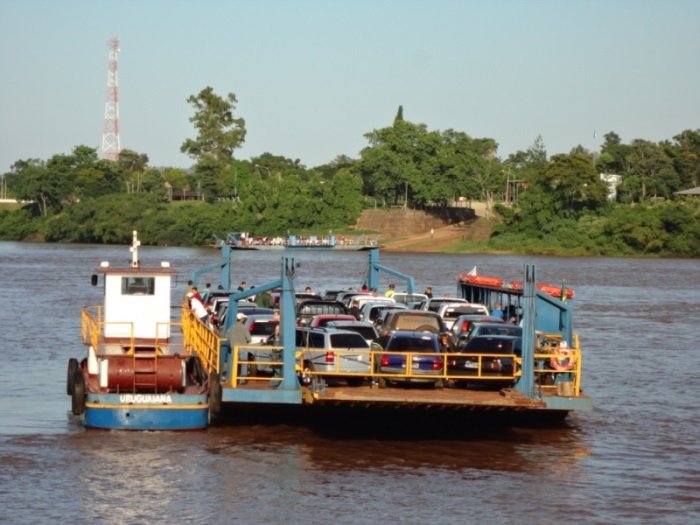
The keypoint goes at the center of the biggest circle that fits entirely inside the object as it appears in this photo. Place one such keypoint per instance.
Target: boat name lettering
(139, 399)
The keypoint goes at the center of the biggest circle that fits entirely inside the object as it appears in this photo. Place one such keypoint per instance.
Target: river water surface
(634, 459)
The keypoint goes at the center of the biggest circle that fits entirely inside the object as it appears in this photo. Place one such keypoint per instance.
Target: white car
(434, 303)
(370, 311)
(451, 311)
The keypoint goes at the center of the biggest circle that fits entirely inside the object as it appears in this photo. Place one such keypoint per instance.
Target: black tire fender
(73, 366)
(215, 394)
(78, 396)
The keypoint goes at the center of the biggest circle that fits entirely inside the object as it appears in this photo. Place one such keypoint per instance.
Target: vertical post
(373, 271)
(225, 275)
(288, 326)
(526, 384)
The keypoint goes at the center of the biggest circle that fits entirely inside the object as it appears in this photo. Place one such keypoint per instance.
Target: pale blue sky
(312, 77)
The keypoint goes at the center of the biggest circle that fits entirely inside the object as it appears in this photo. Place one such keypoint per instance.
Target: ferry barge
(246, 241)
(544, 381)
(142, 371)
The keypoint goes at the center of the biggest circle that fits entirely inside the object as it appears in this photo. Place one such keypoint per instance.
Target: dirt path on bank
(442, 239)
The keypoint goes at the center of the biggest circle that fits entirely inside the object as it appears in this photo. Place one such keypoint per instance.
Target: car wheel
(426, 328)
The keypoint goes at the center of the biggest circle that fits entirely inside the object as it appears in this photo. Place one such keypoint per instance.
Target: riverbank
(445, 239)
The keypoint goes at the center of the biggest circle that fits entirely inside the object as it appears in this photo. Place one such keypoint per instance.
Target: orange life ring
(482, 280)
(563, 359)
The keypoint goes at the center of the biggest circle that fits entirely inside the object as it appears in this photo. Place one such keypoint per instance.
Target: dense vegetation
(547, 205)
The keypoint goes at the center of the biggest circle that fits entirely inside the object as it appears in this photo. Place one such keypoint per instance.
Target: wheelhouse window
(138, 285)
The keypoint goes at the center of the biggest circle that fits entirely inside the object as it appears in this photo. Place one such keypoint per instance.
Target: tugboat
(142, 371)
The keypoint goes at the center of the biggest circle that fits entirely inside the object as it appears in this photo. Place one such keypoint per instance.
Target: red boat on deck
(549, 289)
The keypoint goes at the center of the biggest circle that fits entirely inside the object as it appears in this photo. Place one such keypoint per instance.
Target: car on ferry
(218, 316)
(482, 328)
(370, 311)
(261, 327)
(434, 303)
(411, 300)
(321, 320)
(364, 328)
(410, 357)
(491, 356)
(333, 354)
(310, 308)
(451, 311)
(462, 325)
(414, 320)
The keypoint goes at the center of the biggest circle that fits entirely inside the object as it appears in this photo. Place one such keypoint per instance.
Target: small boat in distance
(142, 371)
(248, 241)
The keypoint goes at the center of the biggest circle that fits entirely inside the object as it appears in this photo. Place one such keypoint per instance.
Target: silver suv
(334, 354)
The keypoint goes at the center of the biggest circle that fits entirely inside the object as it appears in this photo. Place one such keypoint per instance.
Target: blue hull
(181, 412)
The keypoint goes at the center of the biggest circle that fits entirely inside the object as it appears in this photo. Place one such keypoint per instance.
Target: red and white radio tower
(110, 128)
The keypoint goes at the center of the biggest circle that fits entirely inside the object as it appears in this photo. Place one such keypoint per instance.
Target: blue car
(410, 357)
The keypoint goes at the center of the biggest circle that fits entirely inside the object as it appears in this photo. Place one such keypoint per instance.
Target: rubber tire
(215, 394)
(426, 328)
(78, 396)
(73, 366)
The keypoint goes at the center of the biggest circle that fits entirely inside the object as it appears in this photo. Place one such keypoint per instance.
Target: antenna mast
(110, 127)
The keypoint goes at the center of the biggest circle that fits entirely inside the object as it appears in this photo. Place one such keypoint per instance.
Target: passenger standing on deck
(188, 289)
(428, 292)
(497, 312)
(390, 291)
(197, 307)
(238, 335)
(241, 287)
(207, 293)
(264, 299)
(277, 320)
(354, 309)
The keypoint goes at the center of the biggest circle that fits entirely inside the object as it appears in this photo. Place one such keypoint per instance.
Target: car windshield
(262, 327)
(488, 345)
(497, 330)
(417, 344)
(367, 332)
(345, 340)
(412, 322)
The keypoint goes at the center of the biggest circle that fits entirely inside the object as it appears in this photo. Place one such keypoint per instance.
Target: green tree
(685, 152)
(574, 185)
(651, 172)
(132, 166)
(219, 133)
(32, 181)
